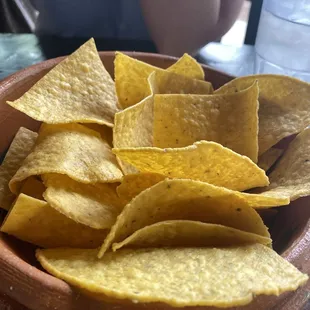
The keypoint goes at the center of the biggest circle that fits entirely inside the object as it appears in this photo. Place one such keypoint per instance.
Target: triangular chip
(34, 221)
(188, 66)
(95, 205)
(284, 106)
(19, 149)
(267, 159)
(180, 277)
(231, 120)
(132, 88)
(70, 149)
(204, 161)
(291, 176)
(185, 200)
(77, 90)
(189, 234)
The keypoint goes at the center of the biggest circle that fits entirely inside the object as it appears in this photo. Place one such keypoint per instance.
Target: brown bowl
(22, 279)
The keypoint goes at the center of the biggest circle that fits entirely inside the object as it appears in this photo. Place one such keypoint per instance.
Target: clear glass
(283, 39)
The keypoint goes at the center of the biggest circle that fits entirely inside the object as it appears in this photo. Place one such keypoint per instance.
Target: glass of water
(283, 39)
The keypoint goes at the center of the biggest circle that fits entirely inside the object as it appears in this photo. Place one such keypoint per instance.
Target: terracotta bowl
(22, 279)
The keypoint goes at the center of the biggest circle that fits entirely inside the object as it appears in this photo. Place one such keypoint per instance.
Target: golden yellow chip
(77, 90)
(266, 160)
(131, 77)
(19, 149)
(134, 184)
(284, 106)
(94, 205)
(221, 277)
(291, 176)
(166, 82)
(189, 234)
(229, 119)
(70, 149)
(134, 125)
(204, 161)
(134, 128)
(33, 187)
(34, 221)
(188, 66)
(106, 132)
(185, 200)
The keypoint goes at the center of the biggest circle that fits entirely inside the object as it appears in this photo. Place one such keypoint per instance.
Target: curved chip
(284, 106)
(132, 88)
(77, 90)
(134, 184)
(189, 234)
(34, 221)
(291, 176)
(19, 149)
(266, 160)
(185, 200)
(229, 119)
(94, 205)
(221, 277)
(70, 149)
(204, 161)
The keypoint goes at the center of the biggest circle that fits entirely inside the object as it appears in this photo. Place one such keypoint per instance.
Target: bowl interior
(21, 276)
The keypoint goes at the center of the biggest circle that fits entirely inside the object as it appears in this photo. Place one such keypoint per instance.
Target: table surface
(18, 51)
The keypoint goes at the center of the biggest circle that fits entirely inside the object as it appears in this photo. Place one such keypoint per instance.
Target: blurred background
(240, 37)
(23, 42)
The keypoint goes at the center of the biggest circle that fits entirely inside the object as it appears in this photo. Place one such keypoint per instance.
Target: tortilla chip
(221, 277)
(266, 160)
(166, 82)
(132, 88)
(33, 187)
(105, 132)
(185, 200)
(134, 127)
(189, 234)
(70, 149)
(188, 66)
(77, 90)
(34, 221)
(134, 184)
(20, 147)
(203, 161)
(284, 106)
(231, 120)
(291, 176)
(94, 205)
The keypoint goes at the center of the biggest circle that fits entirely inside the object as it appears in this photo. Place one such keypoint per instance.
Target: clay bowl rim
(52, 284)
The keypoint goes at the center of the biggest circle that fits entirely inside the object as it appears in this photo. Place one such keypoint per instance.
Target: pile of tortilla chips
(137, 187)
